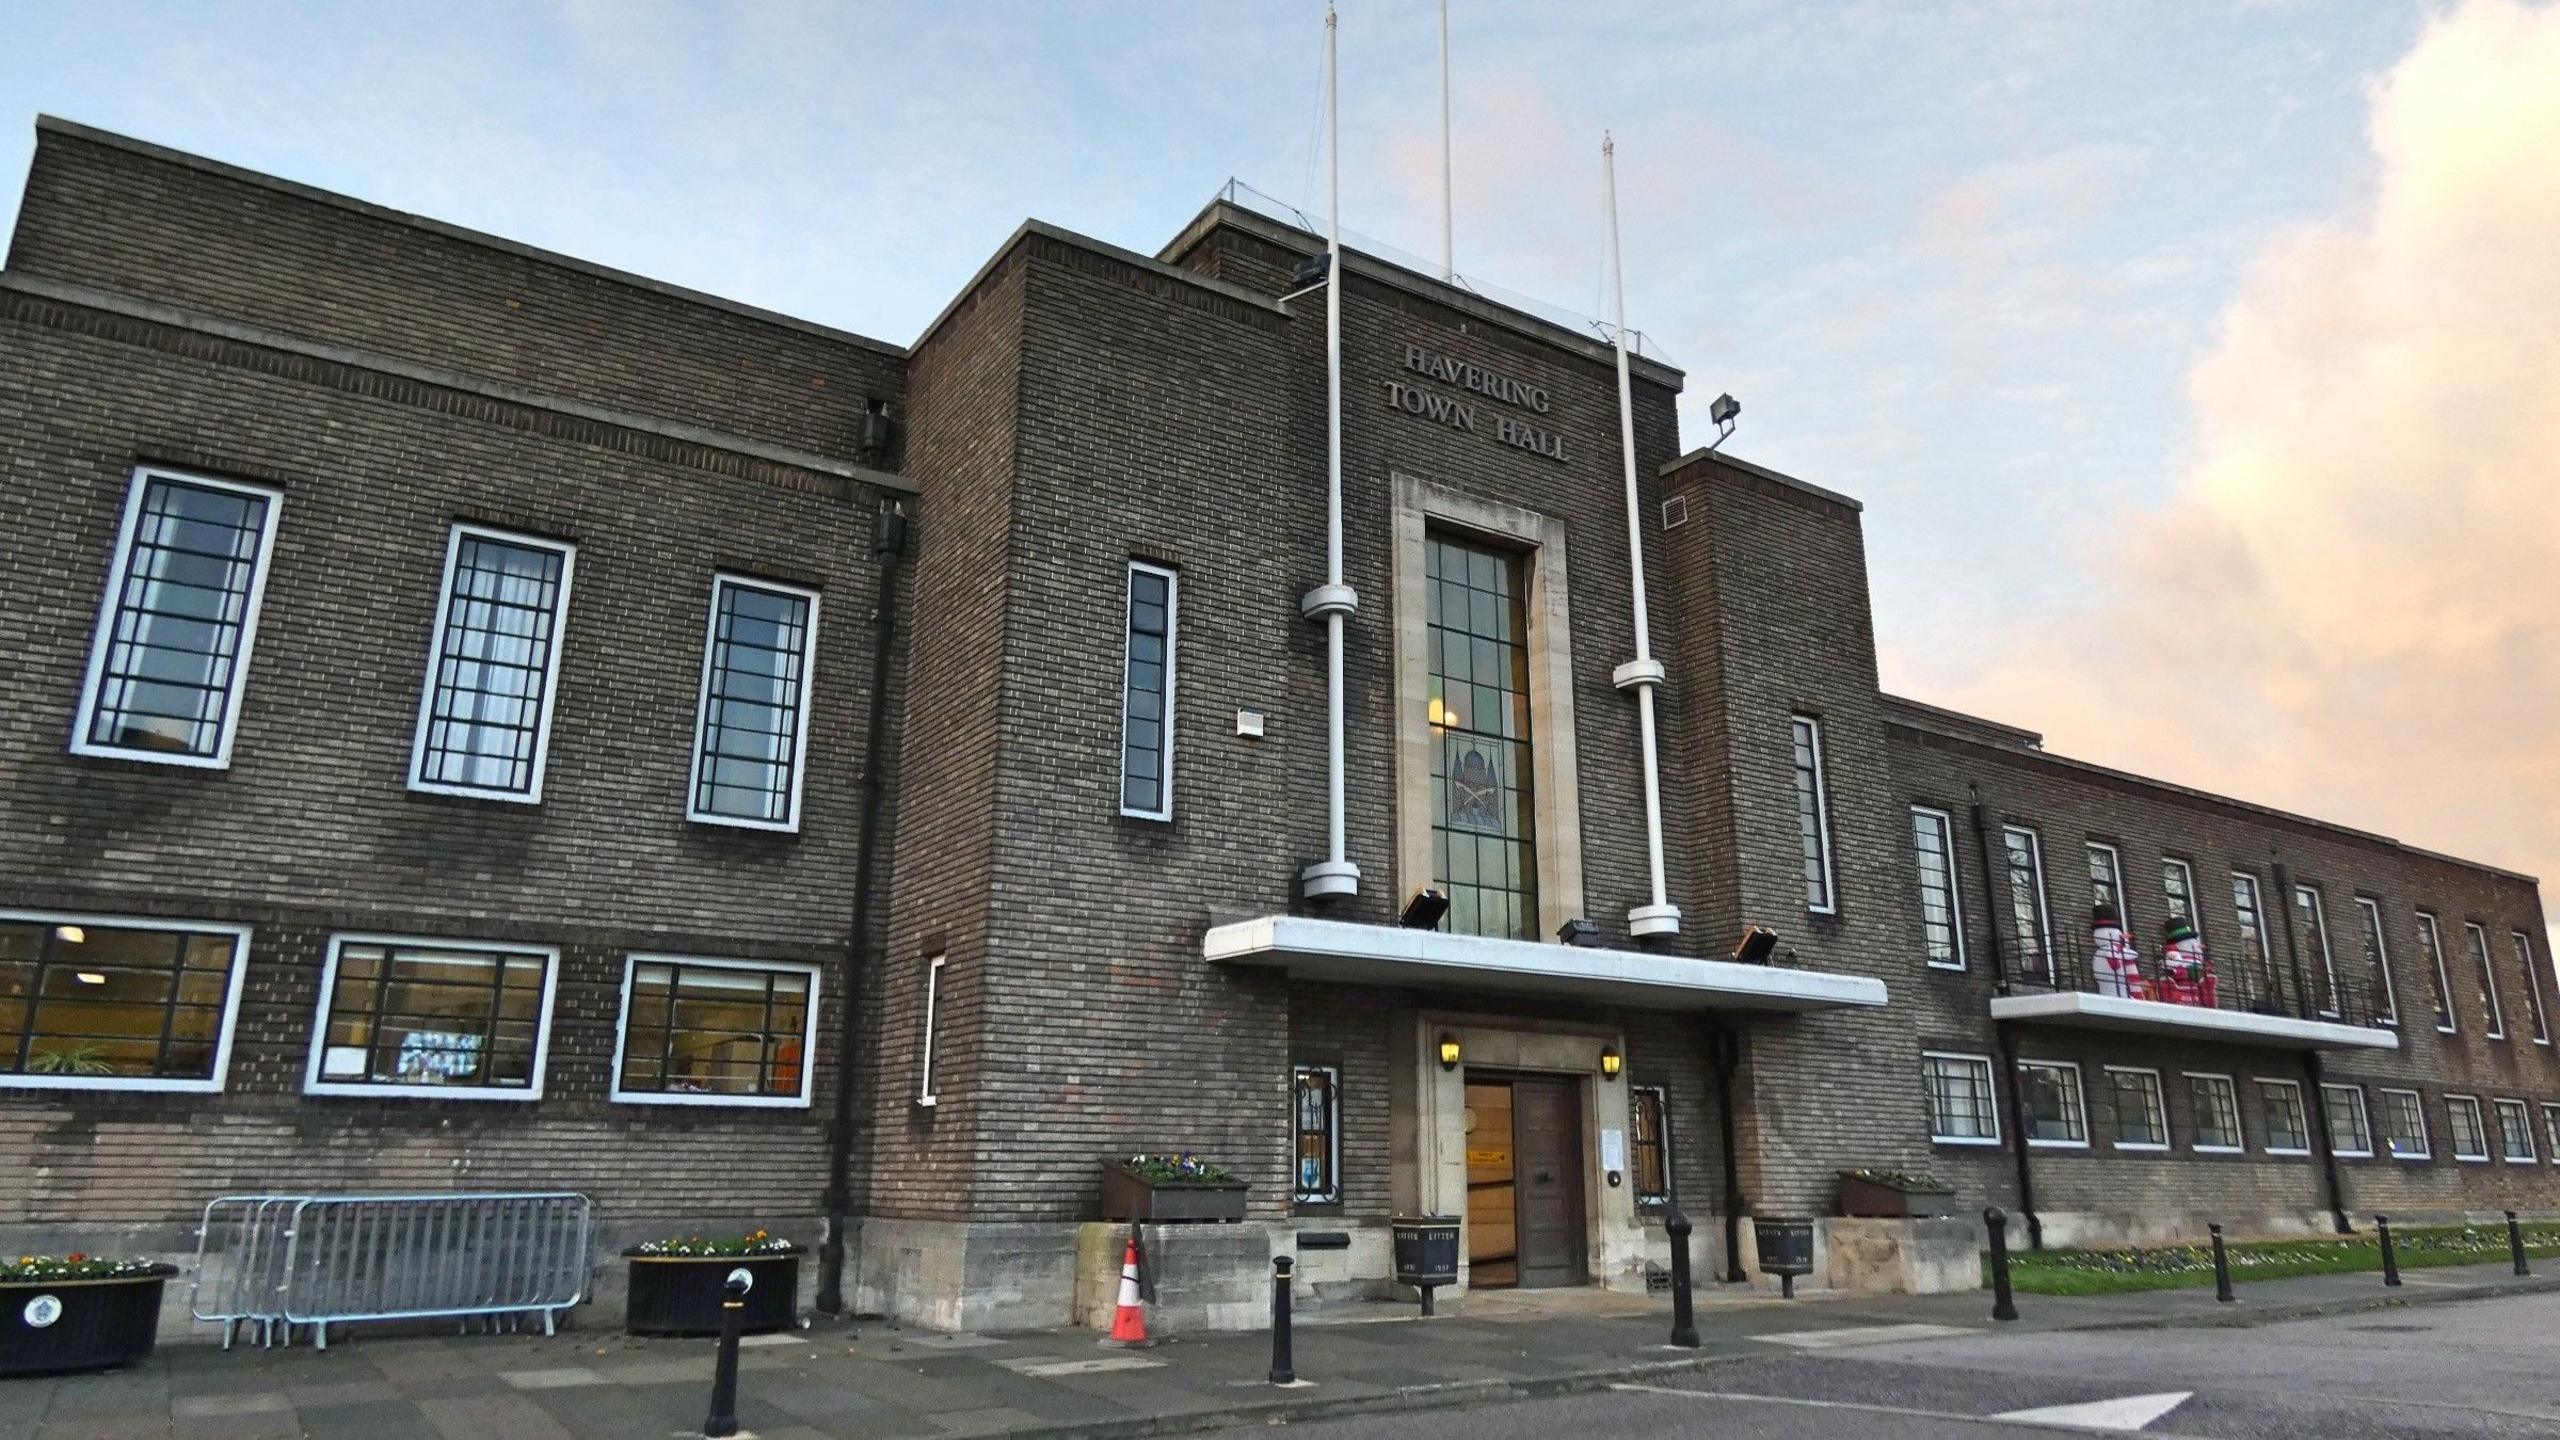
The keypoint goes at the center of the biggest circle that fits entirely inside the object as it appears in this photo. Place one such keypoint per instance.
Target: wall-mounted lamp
(1611, 1062)
(90, 977)
(1423, 912)
(70, 934)
(1449, 1053)
(1578, 931)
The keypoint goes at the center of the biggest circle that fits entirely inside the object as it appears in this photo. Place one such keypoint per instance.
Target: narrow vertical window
(2432, 938)
(1941, 911)
(925, 1091)
(2532, 986)
(1316, 1133)
(2313, 920)
(1648, 1115)
(2106, 882)
(2216, 1102)
(2377, 953)
(2551, 1131)
(2178, 892)
(1146, 696)
(1961, 1108)
(1813, 817)
(2494, 1012)
(2027, 911)
(751, 728)
(1484, 853)
(2350, 1132)
(2288, 1126)
(2253, 931)
(171, 652)
(484, 723)
(2470, 1133)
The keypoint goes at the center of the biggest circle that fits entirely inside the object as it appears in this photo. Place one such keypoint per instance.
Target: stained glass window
(1483, 828)
(1317, 1130)
(1651, 1144)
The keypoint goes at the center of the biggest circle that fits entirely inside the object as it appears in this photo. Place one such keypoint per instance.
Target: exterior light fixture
(90, 977)
(1722, 414)
(1754, 946)
(1443, 714)
(1578, 931)
(1611, 1062)
(1449, 1052)
(1423, 912)
(70, 934)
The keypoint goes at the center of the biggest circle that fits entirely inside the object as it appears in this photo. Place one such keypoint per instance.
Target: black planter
(1126, 1196)
(90, 1324)
(681, 1294)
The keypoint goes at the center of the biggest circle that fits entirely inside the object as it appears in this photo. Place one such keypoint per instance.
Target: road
(2474, 1370)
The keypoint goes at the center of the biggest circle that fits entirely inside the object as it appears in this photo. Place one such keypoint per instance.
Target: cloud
(2351, 603)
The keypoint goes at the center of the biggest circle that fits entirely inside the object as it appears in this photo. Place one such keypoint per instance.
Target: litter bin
(1426, 1252)
(1786, 1249)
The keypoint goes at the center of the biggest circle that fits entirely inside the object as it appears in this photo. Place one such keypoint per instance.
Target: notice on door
(1613, 1149)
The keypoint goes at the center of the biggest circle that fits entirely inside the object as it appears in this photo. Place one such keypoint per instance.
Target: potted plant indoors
(677, 1284)
(1894, 1195)
(78, 1312)
(1162, 1188)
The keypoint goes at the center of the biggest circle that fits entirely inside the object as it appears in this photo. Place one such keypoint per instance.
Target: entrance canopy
(1337, 950)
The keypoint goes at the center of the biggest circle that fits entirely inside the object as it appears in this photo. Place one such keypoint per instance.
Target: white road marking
(1863, 1335)
(2126, 1412)
(1044, 1369)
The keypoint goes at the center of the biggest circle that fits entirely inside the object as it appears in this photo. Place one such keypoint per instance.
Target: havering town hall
(474, 719)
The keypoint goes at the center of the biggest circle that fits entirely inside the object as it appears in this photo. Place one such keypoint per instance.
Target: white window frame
(532, 794)
(1662, 1097)
(1821, 811)
(1955, 892)
(631, 964)
(2479, 1126)
(2159, 1093)
(724, 580)
(2266, 1132)
(2487, 961)
(120, 573)
(2336, 998)
(2501, 1108)
(2115, 869)
(2432, 932)
(2364, 1118)
(1128, 657)
(2079, 1097)
(212, 1085)
(1333, 1134)
(2551, 1131)
(2417, 1106)
(1990, 1074)
(2239, 1126)
(2195, 902)
(312, 1084)
(927, 1094)
(2533, 987)
(2371, 909)
(2045, 958)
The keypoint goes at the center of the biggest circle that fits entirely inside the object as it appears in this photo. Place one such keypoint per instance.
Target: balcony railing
(2233, 982)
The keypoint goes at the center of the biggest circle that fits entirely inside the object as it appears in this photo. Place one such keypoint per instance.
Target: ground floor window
(2470, 1136)
(2050, 1092)
(1961, 1110)
(455, 1018)
(2350, 1131)
(1649, 1116)
(2551, 1131)
(2288, 1124)
(2216, 1102)
(2142, 1112)
(2404, 1124)
(1317, 1129)
(2515, 1132)
(715, 1032)
(95, 1003)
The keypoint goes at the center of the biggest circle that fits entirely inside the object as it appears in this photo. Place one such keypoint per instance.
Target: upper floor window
(1941, 913)
(715, 1032)
(484, 724)
(1316, 1131)
(91, 1003)
(1146, 695)
(2377, 953)
(2178, 892)
(2253, 929)
(1813, 817)
(2027, 901)
(2532, 986)
(457, 1019)
(171, 652)
(2433, 939)
(1483, 810)
(2106, 882)
(1650, 1146)
(2313, 919)
(751, 730)
(2495, 1013)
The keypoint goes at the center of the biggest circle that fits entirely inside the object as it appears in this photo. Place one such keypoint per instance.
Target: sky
(2194, 358)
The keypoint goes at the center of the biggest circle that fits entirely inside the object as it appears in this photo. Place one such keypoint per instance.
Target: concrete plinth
(1204, 1278)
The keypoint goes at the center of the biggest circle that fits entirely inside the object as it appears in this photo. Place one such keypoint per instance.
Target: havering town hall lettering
(1460, 414)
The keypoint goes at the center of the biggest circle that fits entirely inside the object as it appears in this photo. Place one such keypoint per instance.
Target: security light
(1448, 1051)
(1722, 415)
(1425, 910)
(1578, 931)
(1754, 946)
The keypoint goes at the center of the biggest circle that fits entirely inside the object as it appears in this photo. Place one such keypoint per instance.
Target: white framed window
(118, 1002)
(432, 1019)
(2142, 1109)
(926, 1094)
(2057, 1117)
(2027, 908)
(2178, 891)
(2106, 881)
(2404, 1124)
(751, 724)
(1813, 816)
(2431, 936)
(2314, 919)
(2470, 1132)
(2377, 953)
(169, 659)
(2515, 1132)
(2287, 1129)
(1933, 836)
(2490, 1009)
(1146, 693)
(700, 1031)
(1315, 1134)
(2215, 1099)
(484, 718)
(2532, 986)
(1963, 1108)
(2551, 1132)
(2253, 930)
(2350, 1128)
(1649, 1143)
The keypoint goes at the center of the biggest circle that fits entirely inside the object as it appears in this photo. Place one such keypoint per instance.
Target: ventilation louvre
(1675, 512)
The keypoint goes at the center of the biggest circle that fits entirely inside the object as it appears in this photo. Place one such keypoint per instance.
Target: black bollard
(2515, 1244)
(1284, 1370)
(723, 1419)
(2390, 1253)
(2221, 1268)
(1684, 1318)
(2004, 1306)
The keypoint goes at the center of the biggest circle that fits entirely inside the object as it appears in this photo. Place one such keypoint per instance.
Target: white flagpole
(1448, 255)
(1644, 672)
(1333, 600)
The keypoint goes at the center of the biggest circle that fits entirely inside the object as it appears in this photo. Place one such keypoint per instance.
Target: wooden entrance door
(1546, 1123)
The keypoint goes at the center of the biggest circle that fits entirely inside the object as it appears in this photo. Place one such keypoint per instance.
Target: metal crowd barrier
(320, 1260)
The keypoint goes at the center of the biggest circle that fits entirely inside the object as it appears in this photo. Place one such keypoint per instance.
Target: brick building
(482, 720)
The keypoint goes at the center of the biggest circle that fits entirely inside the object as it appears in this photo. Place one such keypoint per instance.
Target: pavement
(880, 1381)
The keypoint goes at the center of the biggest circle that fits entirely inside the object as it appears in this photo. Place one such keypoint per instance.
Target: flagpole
(1644, 672)
(1448, 255)
(1334, 601)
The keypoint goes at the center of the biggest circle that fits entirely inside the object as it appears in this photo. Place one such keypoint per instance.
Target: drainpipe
(1990, 905)
(1333, 602)
(2302, 1006)
(2006, 1034)
(2318, 1105)
(1661, 917)
(888, 542)
(1724, 1052)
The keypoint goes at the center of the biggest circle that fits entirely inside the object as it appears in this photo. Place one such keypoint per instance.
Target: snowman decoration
(2117, 962)
(2182, 959)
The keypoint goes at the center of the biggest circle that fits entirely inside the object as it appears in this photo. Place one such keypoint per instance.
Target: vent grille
(1675, 512)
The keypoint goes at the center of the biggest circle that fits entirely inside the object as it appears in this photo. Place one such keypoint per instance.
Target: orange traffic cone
(1129, 1323)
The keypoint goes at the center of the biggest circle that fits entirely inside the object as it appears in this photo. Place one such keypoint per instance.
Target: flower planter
(1863, 1198)
(80, 1324)
(681, 1294)
(1130, 1196)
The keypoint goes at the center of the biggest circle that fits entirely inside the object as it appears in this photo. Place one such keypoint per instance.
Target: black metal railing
(2066, 962)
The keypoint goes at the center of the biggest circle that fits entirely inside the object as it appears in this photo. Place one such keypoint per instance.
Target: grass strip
(2173, 1267)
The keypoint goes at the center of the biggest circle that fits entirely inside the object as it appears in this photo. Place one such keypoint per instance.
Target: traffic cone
(1129, 1322)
